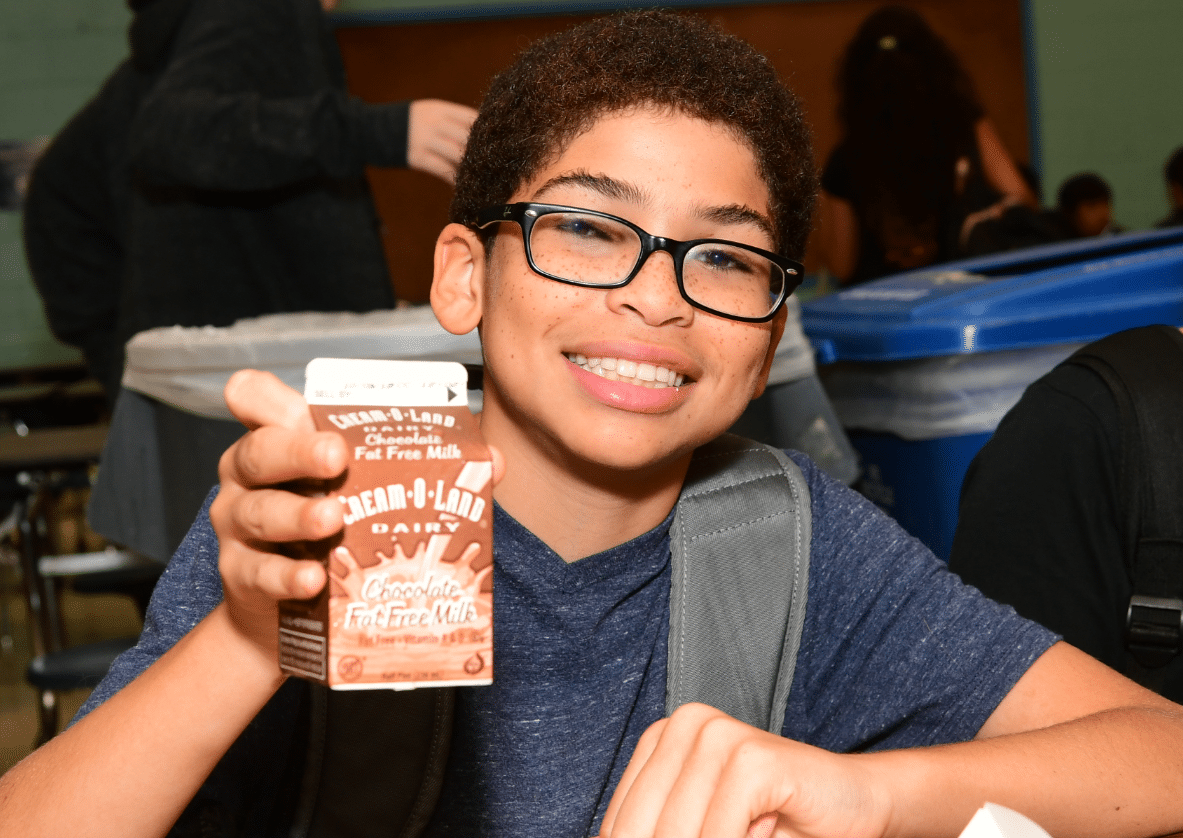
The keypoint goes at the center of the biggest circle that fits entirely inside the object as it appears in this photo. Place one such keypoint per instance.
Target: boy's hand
(703, 774)
(271, 504)
(260, 514)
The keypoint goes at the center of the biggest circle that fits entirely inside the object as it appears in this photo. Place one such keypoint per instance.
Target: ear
(458, 286)
(777, 329)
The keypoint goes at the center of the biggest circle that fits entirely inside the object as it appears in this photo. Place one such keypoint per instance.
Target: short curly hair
(562, 83)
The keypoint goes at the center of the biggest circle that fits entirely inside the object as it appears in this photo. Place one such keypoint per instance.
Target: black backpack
(1143, 368)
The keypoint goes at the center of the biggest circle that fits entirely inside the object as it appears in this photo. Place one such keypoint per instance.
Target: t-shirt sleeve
(896, 651)
(188, 590)
(1040, 524)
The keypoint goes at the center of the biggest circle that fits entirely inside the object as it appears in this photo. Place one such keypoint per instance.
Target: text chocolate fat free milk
(409, 601)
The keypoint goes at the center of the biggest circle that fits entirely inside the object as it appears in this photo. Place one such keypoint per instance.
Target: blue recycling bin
(921, 366)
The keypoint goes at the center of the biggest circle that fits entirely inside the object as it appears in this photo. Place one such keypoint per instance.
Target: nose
(653, 293)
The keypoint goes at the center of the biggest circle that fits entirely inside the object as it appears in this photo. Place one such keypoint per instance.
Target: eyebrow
(610, 187)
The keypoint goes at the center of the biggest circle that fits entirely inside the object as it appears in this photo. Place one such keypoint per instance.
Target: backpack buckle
(1154, 629)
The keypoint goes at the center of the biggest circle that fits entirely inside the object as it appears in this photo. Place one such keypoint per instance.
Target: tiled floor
(86, 618)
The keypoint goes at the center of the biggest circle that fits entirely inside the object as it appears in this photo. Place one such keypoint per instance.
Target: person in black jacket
(218, 175)
(1045, 522)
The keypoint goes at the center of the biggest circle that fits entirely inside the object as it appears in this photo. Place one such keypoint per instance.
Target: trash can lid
(1064, 293)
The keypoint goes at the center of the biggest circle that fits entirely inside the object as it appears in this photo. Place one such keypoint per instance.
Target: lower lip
(631, 397)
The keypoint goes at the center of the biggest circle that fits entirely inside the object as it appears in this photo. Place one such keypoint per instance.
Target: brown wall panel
(805, 40)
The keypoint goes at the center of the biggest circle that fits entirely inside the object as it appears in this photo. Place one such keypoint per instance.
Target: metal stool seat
(45, 460)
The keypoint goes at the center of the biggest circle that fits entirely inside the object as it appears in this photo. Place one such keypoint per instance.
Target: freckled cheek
(742, 354)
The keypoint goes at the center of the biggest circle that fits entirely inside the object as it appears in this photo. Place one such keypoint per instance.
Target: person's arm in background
(999, 167)
(244, 105)
(1000, 171)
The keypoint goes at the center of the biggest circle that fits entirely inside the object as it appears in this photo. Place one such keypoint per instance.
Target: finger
(740, 803)
(257, 398)
(498, 460)
(670, 797)
(645, 746)
(273, 516)
(345, 556)
(272, 577)
(271, 455)
(434, 166)
(344, 559)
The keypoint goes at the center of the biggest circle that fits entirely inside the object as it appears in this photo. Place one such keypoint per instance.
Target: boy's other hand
(702, 773)
(260, 514)
(436, 136)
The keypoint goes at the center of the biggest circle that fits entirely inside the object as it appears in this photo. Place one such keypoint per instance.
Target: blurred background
(1070, 87)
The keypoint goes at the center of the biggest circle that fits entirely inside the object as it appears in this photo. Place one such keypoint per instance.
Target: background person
(1173, 175)
(1084, 203)
(1050, 514)
(219, 174)
(919, 164)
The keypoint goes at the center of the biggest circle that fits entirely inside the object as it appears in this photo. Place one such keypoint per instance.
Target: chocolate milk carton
(410, 596)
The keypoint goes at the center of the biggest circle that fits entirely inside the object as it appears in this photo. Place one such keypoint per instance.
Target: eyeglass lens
(593, 250)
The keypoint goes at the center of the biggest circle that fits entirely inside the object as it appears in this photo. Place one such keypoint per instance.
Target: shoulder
(1070, 399)
(841, 516)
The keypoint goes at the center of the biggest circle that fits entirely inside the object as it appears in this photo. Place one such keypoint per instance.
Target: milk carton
(409, 601)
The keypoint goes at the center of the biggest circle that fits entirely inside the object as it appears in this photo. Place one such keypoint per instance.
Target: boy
(669, 126)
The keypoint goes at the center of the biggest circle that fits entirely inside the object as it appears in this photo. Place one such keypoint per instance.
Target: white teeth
(619, 369)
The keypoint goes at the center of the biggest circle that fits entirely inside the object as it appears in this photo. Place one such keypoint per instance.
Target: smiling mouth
(630, 372)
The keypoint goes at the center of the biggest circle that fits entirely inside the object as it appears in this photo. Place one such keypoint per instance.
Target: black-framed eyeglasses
(598, 250)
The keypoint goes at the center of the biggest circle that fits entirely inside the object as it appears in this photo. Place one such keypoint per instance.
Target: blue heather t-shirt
(896, 652)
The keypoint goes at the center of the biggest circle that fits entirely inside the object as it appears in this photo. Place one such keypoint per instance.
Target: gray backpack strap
(740, 558)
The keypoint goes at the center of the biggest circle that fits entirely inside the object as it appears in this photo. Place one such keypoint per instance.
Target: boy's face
(673, 176)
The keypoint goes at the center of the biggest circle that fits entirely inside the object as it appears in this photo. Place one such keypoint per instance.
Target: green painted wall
(1109, 76)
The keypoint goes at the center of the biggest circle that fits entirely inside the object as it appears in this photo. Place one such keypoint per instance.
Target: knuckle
(247, 460)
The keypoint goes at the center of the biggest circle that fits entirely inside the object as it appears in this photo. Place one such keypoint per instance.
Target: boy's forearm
(1101, 775)
(131, 766)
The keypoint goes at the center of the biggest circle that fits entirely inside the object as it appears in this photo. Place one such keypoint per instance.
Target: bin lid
(188, 367)
(1072, 292)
